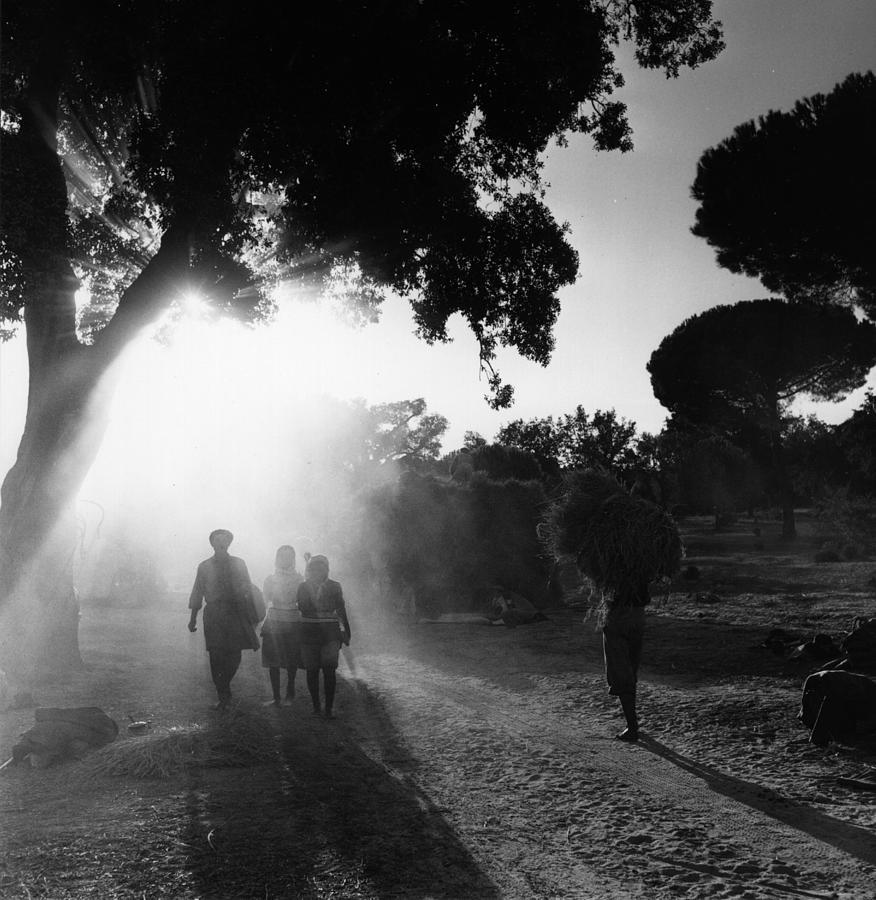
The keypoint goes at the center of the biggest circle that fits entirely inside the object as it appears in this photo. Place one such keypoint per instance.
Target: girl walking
(281, 633)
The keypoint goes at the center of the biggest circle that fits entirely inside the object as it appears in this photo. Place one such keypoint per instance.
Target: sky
(641, 274)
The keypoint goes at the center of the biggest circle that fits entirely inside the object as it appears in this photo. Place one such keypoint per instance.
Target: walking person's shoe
(628, 735)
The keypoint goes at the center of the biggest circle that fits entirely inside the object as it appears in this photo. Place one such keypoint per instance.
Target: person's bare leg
(628, 705)
(313, 688)
(330, 682)
(274, 675)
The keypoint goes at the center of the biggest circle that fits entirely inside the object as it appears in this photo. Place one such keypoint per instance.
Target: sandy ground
(470, 761)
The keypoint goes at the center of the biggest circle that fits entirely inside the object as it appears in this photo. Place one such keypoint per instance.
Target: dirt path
(568, 811)
(466, 762)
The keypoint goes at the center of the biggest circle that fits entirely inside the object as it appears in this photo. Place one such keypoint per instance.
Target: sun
(193, 304)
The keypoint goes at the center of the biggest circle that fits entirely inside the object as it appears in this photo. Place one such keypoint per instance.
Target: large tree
(738, 368)
(576, 440)
(789, 198)
(372, 443)
(151, 146)
(855, 439)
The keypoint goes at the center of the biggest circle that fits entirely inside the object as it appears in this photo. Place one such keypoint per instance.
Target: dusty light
(193, 304)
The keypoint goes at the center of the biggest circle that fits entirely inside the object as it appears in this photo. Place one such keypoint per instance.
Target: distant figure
(623, 632)
(222, 583)
(281, 633)
(513, 609)
(323, 612)
(462, 466)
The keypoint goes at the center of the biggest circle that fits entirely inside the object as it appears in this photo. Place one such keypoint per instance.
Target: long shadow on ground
(850, 839)
(326, 819)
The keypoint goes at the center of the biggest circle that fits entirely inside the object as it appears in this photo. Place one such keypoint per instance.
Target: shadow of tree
(326, 819)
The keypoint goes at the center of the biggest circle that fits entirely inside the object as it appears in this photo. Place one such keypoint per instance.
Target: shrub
(452, 543)
(849, 521)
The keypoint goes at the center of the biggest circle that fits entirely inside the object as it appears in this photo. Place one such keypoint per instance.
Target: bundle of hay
(616, 539)
(161, 754)
(242, 739)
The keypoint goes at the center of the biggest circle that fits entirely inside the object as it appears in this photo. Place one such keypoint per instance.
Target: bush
(451, 543)
(849, 521)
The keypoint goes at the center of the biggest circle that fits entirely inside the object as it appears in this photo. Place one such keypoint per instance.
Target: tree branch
(150, 294)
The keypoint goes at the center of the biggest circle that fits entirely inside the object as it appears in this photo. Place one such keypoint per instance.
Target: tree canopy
(157, 147)
(747, 361)
(788, 198)
(737, 369)
(576, 440)
(399, 140)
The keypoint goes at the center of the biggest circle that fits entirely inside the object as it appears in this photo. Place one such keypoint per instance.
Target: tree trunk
(786, 490)
(66, 420)
(36, 587)
(69, 394)
(789, 521)
(71, 389)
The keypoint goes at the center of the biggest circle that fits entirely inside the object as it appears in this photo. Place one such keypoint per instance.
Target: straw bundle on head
(616, 539)
(569, 518)
(243, 739)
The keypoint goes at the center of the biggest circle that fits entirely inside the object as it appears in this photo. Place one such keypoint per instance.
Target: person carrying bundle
(623, 633)
(622, 544)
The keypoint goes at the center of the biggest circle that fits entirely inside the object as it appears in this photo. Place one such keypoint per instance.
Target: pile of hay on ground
(238, 739)
(616, 539)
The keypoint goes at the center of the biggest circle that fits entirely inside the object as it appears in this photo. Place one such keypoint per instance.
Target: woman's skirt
(281, 641)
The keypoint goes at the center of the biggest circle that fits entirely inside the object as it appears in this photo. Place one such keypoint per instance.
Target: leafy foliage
(818, 459)
(539, 436)
(501, 463)
(400, 141)
(364, 444)
(736, 369)
(788, 198)
(450, 544)
(716, 476)
(576, 440)
(744, 363)
(856, 439)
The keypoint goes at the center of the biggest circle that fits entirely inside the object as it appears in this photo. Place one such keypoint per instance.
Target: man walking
(223, 586)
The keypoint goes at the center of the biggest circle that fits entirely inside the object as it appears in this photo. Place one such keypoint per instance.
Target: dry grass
(616, 539)
(238, 739)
